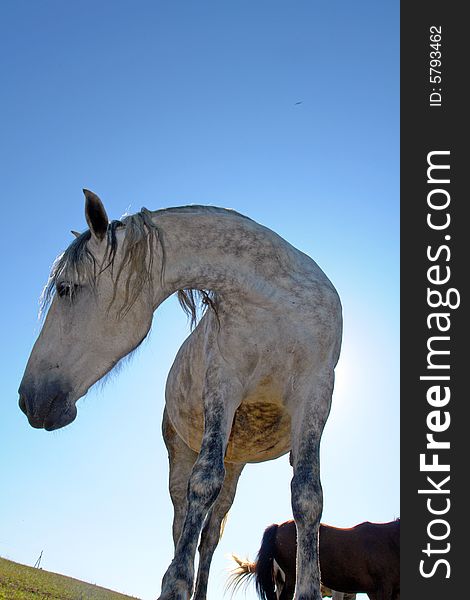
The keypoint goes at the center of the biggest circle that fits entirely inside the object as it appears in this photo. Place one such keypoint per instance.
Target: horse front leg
(213, 527)
(221, 397)
(313, 401)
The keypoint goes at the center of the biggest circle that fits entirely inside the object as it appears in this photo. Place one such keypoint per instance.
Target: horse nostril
(22, 404)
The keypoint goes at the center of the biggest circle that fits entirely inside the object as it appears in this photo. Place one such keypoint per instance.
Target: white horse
(252, 381)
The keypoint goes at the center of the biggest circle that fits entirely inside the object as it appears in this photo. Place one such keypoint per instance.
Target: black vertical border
(424, 129)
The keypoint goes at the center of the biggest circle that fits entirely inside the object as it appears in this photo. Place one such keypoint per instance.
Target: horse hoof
(175, 590)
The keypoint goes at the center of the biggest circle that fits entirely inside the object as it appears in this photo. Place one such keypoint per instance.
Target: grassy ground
(18, 582)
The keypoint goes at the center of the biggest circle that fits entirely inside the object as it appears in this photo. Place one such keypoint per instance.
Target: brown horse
(364, 558)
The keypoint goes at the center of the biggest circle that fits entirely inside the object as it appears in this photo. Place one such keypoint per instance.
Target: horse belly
(260, 431)
(261, 428)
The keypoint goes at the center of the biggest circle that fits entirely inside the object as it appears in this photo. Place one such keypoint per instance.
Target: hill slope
(18, 582)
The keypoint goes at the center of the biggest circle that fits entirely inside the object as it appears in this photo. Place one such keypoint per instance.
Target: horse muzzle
(48, 408)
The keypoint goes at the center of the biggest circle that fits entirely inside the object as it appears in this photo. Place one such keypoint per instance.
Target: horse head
(99, 308)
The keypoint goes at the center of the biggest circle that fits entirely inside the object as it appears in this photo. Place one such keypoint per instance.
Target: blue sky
(164, 103)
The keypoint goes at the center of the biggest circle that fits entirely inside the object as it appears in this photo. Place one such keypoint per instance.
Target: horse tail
(261, 570)
(241, 575)
(264, 576)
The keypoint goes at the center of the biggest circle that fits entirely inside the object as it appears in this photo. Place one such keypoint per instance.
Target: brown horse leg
(211, 531)
(289, 588)
(284, 553)
(307, 498)
(384, 592)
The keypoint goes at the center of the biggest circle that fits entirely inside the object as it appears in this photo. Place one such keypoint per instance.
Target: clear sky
(285, 111)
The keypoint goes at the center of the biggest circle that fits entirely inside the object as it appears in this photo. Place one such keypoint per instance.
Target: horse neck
(218, 250)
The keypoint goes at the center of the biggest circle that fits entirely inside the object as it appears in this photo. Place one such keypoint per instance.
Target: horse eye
(67, 289)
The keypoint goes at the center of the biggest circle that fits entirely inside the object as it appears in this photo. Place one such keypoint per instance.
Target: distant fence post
(38, 562)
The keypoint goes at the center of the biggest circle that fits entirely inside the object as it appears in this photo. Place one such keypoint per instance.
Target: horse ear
(95, 215)
(75, 233)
